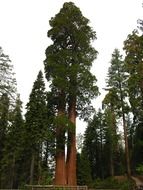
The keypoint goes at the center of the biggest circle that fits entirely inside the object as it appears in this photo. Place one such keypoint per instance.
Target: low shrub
(112, 183)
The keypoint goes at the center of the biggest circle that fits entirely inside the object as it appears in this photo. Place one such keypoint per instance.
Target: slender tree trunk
(40, 172)
(46, 154)
(13, 173)
(32, 169)
(60, 170)
(71, 149)
(126, 147)
(111, 162)
(113, 143)
(39, 164)
(125, 134)
(101, 153)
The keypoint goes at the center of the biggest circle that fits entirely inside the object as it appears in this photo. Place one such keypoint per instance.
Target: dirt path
(138, 180)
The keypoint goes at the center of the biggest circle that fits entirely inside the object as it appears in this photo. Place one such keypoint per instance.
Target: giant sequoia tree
(67, 66)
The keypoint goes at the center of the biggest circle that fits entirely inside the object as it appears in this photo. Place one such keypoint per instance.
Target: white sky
(24, 25)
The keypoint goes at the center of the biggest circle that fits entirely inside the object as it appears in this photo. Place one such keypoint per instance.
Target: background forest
(28, 142)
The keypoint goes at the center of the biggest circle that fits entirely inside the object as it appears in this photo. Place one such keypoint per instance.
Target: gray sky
(24, 26)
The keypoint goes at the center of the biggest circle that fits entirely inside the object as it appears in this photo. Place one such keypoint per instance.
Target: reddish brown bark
(71, 149)
(60, 170)
(60, 177)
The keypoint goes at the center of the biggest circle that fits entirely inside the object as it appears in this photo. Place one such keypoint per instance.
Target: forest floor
(138, 180)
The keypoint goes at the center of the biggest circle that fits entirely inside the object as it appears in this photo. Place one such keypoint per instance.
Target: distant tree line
(107, 150)
(40, 146)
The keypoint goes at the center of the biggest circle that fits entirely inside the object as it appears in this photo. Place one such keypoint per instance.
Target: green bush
(111, 183)
(127, 185)
(139, 169)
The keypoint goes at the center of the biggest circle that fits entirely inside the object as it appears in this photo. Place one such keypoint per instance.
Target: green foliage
(111, 183)
(12, 149)
(139, 169)
(134, 66)
(4, 114)
(79, 142)
(117, 82)
(10, 124)
(67, 66)
(133, 47)
(37, 113)
(69, 58)
(117, 85)
(101, 136)
(38, 130)
(63, 120)
(127, 185)
(83, 170)
(93, 145)
(7, 103)
(7, 79)
(4, 119)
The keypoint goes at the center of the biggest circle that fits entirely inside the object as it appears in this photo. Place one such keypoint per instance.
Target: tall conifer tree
(110, 105)
(12, 156)
(7, 102)
(133, 47)
(7, 79)
(36, 127)
(4, 124)
(93, 145)
(117, 81)
(67, 66)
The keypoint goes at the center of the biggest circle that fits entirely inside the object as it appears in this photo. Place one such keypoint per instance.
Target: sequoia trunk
(71, 148)
(60, 170)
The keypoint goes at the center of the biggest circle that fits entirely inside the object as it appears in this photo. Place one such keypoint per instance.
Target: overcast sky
(24, 25)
